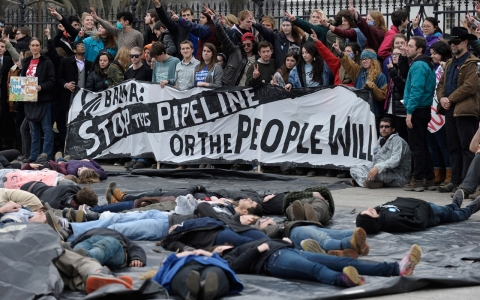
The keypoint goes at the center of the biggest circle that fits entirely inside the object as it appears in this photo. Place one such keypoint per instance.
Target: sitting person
(472, 179)
(391, 161)
(409, 214)
(277, 258)
(122, 251)
(197, 274)
(62, 196)
(314, 204)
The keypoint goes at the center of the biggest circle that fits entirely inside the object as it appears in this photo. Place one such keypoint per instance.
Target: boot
(117, 195)
(439, 175)
(448, 177)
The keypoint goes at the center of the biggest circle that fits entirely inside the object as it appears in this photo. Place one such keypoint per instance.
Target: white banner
(312, 126)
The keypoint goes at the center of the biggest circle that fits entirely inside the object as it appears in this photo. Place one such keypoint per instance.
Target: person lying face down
(409, 214)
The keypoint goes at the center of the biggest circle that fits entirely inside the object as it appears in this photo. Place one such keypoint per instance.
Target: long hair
(111, 40)
(283, 70)
(88, 176)
(123, 57)
(434, 23)
(212, 62)
(356, 50)
(375, 68)
(297, 33)
(96, 63)
(317, 62)
(378, 19)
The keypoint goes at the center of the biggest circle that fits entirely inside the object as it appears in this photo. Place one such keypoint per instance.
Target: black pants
(460, 131)
(59, 115)
(26, 137)
(472, 180)
(417, 141)
(179, 282)
(7, 156)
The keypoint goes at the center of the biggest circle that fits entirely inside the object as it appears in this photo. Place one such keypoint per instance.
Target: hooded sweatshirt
(399, 215)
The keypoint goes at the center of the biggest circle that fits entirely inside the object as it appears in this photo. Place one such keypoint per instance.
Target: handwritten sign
(23, 89)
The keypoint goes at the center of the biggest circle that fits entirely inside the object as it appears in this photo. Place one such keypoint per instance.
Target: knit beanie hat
(367, 53)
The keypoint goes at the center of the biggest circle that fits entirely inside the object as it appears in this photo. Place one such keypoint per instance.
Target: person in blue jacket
(103, 40)
(197, 274)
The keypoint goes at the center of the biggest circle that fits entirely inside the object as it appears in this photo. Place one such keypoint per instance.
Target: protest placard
(23, 89)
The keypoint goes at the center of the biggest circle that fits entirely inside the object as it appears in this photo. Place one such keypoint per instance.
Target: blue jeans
(149, 225)
(106, 249)
(329, 239)
(294, 264)
(114, 207)
(46, 126)
(450, 213)
(437, 143)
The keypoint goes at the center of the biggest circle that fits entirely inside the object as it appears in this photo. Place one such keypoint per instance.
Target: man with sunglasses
(418, 95)
(459, 102)
(391, 161)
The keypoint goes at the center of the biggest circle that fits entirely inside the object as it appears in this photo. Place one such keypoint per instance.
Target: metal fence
(450, 13)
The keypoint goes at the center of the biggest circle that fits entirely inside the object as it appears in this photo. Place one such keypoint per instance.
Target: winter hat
(248, 37)
(186, 205)
(367, 53)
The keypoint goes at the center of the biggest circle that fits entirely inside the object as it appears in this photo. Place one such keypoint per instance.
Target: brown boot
(344, 253)
(439, 175)
(117, 195)
(448, 176)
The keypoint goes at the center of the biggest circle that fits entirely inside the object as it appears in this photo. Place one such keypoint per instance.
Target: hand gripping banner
(331, 126)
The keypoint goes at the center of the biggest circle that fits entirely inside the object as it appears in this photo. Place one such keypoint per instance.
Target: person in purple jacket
(87, 170)
(430, 31)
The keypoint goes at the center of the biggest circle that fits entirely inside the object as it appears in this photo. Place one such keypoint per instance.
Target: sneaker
(193, 286)
(310, 213)
(28, 160)
(42, 158)
(312, 173)
(68, 157)
(210, 286)
(140, 165)
(94, 282)
(474, 206)
(474, 195)
(298, 211)
(311, 245)
(75, 215)
(109, 192)
(58, 155)
(52, 220)
(372, 184)
(350, 253)
(359, 241)
(350, 277)
(447, 188)
(408, 263)
(430, 185)
(89, 215)
(458, 198)
(129, 164)
(415, 185)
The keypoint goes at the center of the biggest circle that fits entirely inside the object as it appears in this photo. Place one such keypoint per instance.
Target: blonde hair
(88, 176)
(378, 20)
(231, 20)
(123, 57)
(318, 11)
(375, 69)
(84, 15)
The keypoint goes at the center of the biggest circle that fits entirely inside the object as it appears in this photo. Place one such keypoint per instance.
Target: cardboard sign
(23, 89)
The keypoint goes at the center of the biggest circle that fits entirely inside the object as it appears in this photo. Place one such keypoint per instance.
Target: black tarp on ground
(450, 251)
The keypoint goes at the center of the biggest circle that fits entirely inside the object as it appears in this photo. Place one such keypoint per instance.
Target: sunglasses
(134, 55)
(455, 42)
(385, 126)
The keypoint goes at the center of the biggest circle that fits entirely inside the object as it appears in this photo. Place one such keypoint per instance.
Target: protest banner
(310, 126)
(23, 89)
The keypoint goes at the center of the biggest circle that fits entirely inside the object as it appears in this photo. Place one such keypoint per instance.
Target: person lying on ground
(6, 157)
(20, 197)
(62, 196)
(314, 204)
(203, 233)
(409, 214)
(77, 272)
(12, 212)
(349, 243)
(277, 258)
(14, 179)
(110, 248)
(197, 274)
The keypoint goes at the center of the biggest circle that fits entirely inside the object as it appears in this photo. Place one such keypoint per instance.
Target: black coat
(46, 77)
(397, 85)
(56, 196)
(23, 44)
(206, 210)
(96, 82)
(134, 251)
(7, 64)
(68, 72)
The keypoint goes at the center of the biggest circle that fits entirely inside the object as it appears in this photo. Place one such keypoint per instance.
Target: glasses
(396, 54)
(365, 59)
(456, 42)
(385, 126)
(426, 26)
(134, 55)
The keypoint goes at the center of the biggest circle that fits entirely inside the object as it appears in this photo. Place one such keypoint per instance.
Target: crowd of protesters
(218, 234)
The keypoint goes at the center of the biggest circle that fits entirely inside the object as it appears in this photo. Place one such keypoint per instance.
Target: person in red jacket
(373, 27)
(400, 22)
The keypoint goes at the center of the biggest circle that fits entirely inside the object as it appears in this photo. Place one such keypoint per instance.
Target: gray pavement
(362, 198)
